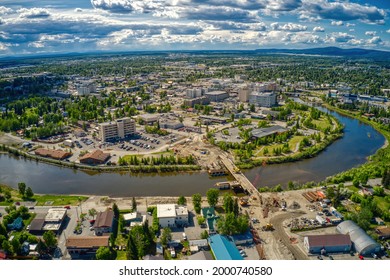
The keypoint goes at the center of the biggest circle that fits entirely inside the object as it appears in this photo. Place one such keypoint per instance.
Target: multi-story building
(263, 99)
(171, 215)
(217, 95)
(119, 128)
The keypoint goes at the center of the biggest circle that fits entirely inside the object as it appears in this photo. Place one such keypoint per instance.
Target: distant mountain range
(331, 51)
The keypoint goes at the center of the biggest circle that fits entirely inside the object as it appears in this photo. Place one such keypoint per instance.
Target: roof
(181, 211)
(97, 155)
(223, 249)
(359, 237)
(153, 258)
(56, 154)
(104, 219)
(166, 210)
(37, 224)
(131, 216)
(262, 93)
(329, 240)
(202, 255)
(55, 215)
(262, 132)
(198, 242)
(87, 241)
(383, 231)
(216, 92)
(247, 236)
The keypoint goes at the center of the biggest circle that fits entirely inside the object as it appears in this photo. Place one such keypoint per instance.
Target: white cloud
(339, 37)
(318, 29)
(344, 11)
(374, 40)
(350, 24)
(5, 10)
(292, 27)
(337, 23)
(388, 31)
(33, 13)
(370, 33)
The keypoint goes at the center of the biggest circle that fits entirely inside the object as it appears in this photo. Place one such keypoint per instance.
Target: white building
(171, 215)
(263, 99)
(119, 128)
(86, 87)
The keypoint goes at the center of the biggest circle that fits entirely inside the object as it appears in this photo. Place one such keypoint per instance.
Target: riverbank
(377, 162)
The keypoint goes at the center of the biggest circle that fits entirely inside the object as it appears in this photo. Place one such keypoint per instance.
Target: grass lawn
(383, 204)
(58, 200)
(120, 240)
(322, 123)
(121, 255)
(353, 188)
(292, 143)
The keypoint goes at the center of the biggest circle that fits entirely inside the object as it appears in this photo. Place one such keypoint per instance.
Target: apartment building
(119, 128)
(263, 99)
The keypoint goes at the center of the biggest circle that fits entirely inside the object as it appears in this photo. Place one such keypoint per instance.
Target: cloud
(370, 33)
(5, 10)
(350, 24)
(33, 13)
(337, 23)
(220, 13)
(78, 10)
(388, 31)
(339, 37)
(283, 5)
(126, 6)
(344, 11)
(318, 29)
(292, 27)
(374, 40)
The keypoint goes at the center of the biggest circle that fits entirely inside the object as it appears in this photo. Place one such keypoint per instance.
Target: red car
(67, 207)
(92, 222)
(361, 257)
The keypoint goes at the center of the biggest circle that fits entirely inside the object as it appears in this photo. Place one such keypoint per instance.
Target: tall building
(119, 128)
(243, 94)
(263, 99)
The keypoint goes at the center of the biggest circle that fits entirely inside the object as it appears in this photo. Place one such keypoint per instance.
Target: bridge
(241, 178)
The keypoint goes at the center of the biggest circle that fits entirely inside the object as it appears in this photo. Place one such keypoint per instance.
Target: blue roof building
(16, 225)
(223, 249)
(244, 238)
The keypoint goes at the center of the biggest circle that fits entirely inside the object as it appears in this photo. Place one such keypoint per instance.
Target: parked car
(67, 207)
(361, 257)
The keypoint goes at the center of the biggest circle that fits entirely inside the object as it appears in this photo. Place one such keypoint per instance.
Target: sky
(55, 26)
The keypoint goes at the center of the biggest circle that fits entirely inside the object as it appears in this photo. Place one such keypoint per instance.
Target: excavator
(268, 227)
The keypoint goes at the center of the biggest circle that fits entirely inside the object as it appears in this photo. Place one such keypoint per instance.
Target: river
(359, 141)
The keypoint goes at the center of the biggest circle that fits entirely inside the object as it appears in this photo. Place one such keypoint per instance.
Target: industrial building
(119, 128)
(52, 221)
(266, 131)
(330, 243)
(362, 242)
(171, 215)
(223, 248)
(263, 99)
(95, 157)
(217, 96)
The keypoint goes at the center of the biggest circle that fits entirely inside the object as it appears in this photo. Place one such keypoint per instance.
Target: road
(280, 234)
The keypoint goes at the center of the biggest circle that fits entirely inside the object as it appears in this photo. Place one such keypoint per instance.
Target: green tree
(236, 208)
(92, 212)
(103, 253)
(212, 197)
(200, 220)
(22, 189)
(50, 239)
(132, 253)
(134, 204)
(204, 234)
(182, 200)
(379, 191)
(115, 209)
(228, 203)
(29, 193)
(196, 201)
(166, 236)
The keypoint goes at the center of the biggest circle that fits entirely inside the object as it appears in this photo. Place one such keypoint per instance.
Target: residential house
(104, 222)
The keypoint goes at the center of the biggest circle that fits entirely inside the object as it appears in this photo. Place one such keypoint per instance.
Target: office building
(119, 128)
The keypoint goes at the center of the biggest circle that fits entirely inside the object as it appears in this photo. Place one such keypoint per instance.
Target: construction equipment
(244, 201)
(268, 227)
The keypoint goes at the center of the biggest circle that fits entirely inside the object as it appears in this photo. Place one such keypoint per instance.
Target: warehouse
(331, 243)
(362, 242)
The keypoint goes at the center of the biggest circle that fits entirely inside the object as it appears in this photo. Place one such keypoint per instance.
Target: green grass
(58, 200)
(292, 143)
(121, 255)
(353, 188)
(382, 203)
(322, 123)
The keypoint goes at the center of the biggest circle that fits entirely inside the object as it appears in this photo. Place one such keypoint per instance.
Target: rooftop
(329, 240)
(166, 210)
(262, 132)
(181, 211)
(223, 249)
(104, 219)
(96, 155)
(87, 241)
(55, 215)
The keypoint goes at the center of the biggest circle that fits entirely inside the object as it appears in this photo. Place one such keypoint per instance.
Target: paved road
(280, 234)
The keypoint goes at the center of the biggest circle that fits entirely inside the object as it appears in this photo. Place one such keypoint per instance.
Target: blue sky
(55, 26)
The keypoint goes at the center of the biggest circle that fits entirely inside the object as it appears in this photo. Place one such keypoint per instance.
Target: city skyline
(27, 27)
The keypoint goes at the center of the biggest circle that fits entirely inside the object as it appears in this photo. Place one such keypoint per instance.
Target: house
(153, 258)
(383, 232)
(330, 243)
(55, 154)
(104, 222)
(172, 215)
(17, 224)
(211, 219)
(95, 157)
(135, 218)
(242, 239)
(85, 246)
(201, 256)
(223, 248)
